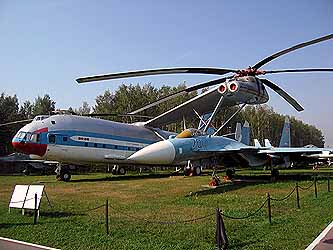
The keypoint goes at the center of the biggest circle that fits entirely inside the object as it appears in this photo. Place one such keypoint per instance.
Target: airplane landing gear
(118, 170)
(192, 170)
(230, 172)
(196, 171)
(62, 173)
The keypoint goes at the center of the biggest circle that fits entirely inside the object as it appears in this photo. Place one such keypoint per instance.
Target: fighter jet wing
(299, 150)
(226, 150)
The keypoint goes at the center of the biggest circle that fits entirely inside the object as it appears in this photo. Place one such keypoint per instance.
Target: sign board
(30, 198)
(18, 196)
(24, 196)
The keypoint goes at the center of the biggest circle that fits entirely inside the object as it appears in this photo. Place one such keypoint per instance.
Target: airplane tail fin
(285, 140)
(238, 132)
(245, 135)
(257, 143)
(268, 144)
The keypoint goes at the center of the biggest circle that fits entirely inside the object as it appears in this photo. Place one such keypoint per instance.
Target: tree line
(264, 121)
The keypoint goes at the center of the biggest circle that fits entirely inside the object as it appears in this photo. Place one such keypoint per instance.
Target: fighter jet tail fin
(245, 135)
(257, 143)
(285, 140)
(268, 144)
(238, 132)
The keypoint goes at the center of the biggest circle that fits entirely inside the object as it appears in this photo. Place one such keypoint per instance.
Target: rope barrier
(247, 216)
(161, 222)
(78, 212)
(286, 197)
(89, 210)
(306, 187)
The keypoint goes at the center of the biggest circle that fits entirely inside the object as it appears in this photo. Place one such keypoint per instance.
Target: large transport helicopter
(70, 138)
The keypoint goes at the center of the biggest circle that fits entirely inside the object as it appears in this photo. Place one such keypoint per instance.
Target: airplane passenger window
(52, 138)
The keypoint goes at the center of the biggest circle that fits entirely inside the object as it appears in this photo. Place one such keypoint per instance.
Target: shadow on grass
(225, 188)
(127, 177)
(9, 225)
(241, 181)
(59, 214)
(241, 245)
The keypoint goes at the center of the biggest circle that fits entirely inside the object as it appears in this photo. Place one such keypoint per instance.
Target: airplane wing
(203, 104)
(231, 150)
(18, 157)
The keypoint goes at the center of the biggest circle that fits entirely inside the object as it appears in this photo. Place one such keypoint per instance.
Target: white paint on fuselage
(76, 154)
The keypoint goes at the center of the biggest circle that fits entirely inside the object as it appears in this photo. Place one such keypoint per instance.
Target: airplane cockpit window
(188, 133)
(21, 135)
(40, 118)
(35, 137)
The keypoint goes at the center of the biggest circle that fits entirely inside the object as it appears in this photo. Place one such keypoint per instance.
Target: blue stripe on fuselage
(69, 142)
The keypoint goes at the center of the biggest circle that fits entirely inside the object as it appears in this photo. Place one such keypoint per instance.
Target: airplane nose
(162, 152)
(18, 144)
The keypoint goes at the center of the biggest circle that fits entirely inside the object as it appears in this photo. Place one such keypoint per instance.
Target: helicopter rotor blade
(16, 122)
(297, 70)
(119, 115)
(210, 71)
(283, 94)
(295, 47)
(181, 92)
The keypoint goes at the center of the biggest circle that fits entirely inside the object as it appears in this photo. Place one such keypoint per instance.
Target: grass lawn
(136, 202)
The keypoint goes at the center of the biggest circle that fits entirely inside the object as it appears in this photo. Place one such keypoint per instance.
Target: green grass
(164, 199)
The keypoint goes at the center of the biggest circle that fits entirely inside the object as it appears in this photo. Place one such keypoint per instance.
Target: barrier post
(107, 216)
(269, 208)
(315, 186)
(35, 211)
(297, 196)
(328, 184)
(222, 242)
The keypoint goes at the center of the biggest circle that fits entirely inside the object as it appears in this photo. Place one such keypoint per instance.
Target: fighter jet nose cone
(162, 152)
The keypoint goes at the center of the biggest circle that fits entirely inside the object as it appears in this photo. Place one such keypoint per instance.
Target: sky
(46, 45)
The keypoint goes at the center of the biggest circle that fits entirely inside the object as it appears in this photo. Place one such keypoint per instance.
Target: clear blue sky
(46, 45)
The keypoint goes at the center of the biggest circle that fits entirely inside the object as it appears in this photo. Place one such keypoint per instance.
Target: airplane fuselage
(77, 139)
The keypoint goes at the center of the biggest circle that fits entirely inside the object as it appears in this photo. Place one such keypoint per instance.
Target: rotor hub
(250, 72)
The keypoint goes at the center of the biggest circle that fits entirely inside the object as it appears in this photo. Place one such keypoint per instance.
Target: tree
(8, 112)
(43, 105)
(83, 110)
(26, 110)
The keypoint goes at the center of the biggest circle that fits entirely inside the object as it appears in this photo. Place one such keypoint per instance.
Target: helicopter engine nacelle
(244, 89)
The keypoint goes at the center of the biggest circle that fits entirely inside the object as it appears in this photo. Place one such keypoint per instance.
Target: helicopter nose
(162, 152)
